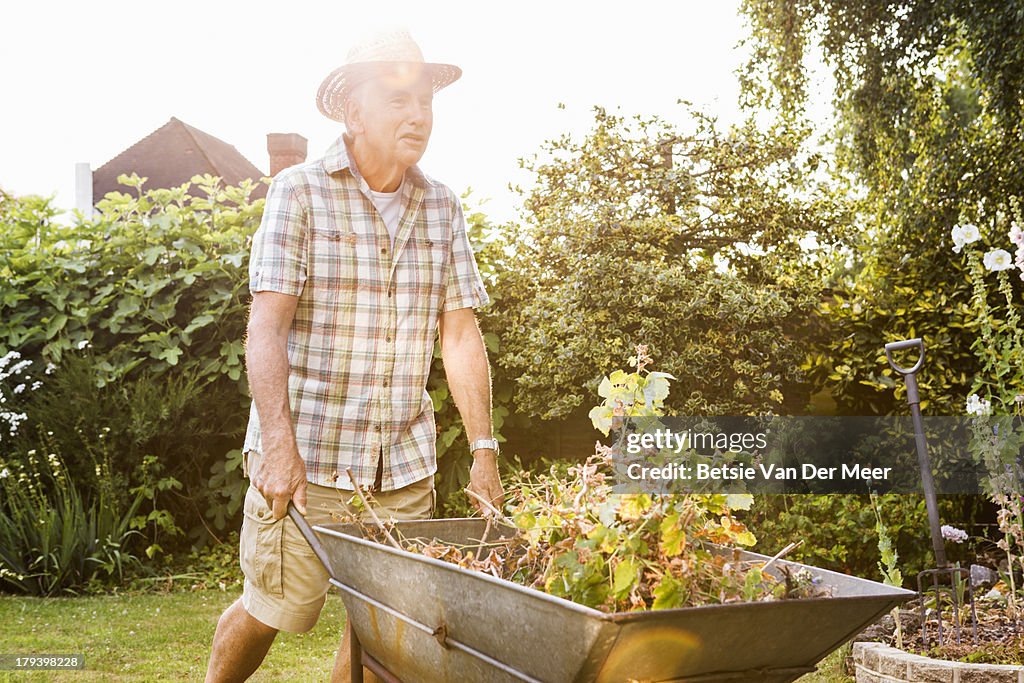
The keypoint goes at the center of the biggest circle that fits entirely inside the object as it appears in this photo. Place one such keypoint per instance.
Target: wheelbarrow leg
(355, 650)
(378, 669)
(359, 659)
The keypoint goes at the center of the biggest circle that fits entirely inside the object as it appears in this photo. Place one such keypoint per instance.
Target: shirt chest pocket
(333, 261)
(427, 265)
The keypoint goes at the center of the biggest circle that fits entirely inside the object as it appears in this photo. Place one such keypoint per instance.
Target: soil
(999, 639)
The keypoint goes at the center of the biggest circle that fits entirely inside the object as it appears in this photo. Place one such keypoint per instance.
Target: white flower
(50, 367)
(964, 234)
(36, 385)
(1016, 234)
(11, 355)
(83, 344)
(998, 259)
(20, 388)
(958, 238)
(951, 533)
(4, 473)
(18, 367)
(978, 406)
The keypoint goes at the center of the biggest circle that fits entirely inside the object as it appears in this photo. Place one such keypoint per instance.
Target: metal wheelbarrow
(420, 620)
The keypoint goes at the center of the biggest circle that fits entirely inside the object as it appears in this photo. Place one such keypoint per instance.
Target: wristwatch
(484, 443)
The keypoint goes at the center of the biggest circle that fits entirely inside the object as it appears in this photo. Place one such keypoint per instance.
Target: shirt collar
(337, 159)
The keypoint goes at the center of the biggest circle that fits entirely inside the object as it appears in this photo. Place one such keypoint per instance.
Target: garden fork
(954, 580)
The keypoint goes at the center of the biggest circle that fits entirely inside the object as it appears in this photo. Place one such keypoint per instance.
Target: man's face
(394, 116)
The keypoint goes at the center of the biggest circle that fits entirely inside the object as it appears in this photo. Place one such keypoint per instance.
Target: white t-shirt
(389, 205)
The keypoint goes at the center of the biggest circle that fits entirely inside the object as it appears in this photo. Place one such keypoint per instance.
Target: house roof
(170, 156)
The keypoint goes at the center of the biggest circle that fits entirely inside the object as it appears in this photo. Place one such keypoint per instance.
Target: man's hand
(281, 479)
(485, 482)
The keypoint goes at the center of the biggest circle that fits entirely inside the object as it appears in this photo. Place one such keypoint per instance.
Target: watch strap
(484, 443)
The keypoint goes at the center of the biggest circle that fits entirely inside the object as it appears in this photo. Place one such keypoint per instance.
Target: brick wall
(878, 663)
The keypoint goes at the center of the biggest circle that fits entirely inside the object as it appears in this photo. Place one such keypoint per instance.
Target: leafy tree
(641, 234)
(928, 102)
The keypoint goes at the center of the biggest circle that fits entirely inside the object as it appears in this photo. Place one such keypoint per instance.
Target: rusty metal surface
(423, 619)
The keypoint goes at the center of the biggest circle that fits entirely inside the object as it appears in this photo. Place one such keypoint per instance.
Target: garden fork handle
(910, 374)
(923, 462)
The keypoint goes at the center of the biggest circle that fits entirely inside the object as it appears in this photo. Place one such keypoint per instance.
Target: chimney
(83, 189)
(286, 149)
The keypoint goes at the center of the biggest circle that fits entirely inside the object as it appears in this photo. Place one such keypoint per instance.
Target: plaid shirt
(362, 340)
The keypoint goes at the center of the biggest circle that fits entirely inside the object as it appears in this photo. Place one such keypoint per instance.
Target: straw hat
(393, 51)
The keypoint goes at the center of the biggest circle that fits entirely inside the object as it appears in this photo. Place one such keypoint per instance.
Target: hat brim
(330, 98)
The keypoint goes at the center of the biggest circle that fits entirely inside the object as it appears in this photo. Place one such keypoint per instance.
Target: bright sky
(84, 81)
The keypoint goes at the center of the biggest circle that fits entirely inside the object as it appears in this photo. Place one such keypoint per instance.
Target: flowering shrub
(998, 391)
(1000, 343)
(10, 419)
(54, 540)
(62, 532)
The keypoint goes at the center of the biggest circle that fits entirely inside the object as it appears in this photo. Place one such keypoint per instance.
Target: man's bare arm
(282, 473)
(469, 380)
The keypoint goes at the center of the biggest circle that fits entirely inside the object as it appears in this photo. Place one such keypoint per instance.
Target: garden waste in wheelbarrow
(422, 620)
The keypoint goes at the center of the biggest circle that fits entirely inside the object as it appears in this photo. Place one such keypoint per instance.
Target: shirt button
(376, 428)
(388, 339)
(384, 251)
(387, 383)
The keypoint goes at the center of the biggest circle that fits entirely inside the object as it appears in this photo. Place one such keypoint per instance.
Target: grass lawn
(152, 636)
(830, 670)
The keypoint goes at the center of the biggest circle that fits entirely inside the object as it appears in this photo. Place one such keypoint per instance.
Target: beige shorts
(285, 584)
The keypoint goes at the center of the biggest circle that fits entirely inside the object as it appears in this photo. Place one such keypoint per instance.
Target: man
(359, 259)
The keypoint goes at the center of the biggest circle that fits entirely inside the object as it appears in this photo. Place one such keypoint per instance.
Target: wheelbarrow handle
(310, 536)
(899, 346)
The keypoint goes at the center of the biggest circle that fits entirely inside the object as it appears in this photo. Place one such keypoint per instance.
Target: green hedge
(139, 317)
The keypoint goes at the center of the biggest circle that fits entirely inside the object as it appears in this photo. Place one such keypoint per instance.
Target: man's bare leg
(239, 645)
(343, 667)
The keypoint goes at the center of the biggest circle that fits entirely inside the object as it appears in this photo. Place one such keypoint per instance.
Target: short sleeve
(277, 262)
(465, 287)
